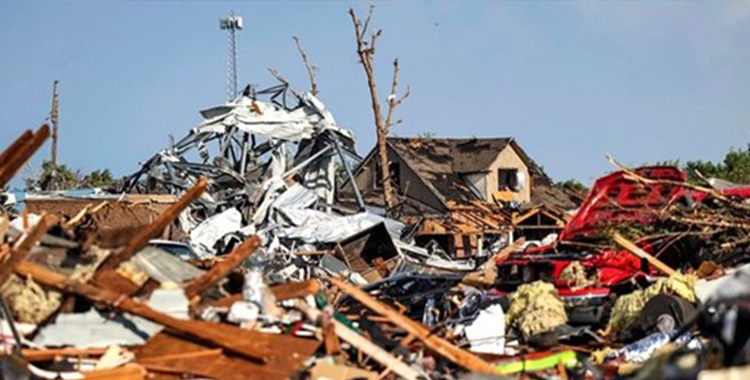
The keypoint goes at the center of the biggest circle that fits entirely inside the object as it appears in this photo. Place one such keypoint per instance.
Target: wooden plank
(22, 155)
(13, 148)
(126, 372)
(42, 355)
(106, 275)
(441, 346)
(634, 249)
(24, 244)
(4, 225)
(167, 351)
(222, 268)
(487, 275)
(227, 337)
(363, 344)
(153, 230)
(282, 292)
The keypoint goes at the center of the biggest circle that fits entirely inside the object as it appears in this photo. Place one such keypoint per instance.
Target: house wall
(411, 185)
(509, 159)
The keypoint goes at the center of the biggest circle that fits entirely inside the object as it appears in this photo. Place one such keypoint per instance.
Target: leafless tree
(311, 69)
(366, 52)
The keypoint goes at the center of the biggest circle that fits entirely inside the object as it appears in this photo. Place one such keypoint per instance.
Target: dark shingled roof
(441, 161)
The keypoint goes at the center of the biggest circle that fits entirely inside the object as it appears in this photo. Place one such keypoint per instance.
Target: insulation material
(627, 308)
(29, 302)
(536, 308)
(575, 276)
(133, 272)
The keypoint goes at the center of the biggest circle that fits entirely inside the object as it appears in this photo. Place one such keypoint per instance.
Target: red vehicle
(615, 200)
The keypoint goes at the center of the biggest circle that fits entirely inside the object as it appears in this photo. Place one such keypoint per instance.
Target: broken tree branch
(366, 52)
(311, 69)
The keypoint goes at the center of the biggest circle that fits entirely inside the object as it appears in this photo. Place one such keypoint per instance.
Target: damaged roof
(441, 162)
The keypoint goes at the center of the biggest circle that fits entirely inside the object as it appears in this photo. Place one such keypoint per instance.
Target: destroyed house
(449, 186)
(442, 173)
(465, 192)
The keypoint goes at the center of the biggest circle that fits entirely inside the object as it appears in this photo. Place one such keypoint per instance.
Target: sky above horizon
(571, 81)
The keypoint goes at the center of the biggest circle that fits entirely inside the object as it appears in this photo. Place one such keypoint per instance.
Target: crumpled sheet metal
(93, 330)
(337, 228)
(628, 307)
(536, 308)
(242, 149)
(204, 236)
(165, 267)
(268, 119)
(644, 349)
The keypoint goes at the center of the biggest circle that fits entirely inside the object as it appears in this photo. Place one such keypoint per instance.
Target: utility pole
(231, 23)
(54, 118)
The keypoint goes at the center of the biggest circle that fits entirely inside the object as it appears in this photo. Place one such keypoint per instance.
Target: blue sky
(645, 81)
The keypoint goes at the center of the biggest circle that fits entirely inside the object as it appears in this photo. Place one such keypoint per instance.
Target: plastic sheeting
(486, 333)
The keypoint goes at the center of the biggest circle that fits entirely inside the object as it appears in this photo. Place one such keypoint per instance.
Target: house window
(508, 180)
(395, 172)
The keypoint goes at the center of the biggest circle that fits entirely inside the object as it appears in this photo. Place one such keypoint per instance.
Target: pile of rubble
(227, 256)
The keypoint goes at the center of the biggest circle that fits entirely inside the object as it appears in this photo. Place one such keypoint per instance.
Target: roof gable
(441, 162)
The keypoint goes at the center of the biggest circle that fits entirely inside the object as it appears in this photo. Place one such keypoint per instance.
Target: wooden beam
(224, 337)
(152, 230)
(441, 346)
(14, 147)
(634, 249)
(24, 244)
(22, 154)
(222, 268)
(4, 224)
(282, 292)
(361, 343)
(43, 355)
(127, 372)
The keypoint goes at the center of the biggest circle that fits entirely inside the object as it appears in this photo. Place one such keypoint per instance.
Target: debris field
(258, 246)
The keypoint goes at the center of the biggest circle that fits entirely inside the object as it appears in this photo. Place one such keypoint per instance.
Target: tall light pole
(232, 24)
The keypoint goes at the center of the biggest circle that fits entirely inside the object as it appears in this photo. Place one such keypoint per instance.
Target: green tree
(573, 185)
(735, 167)
(66, 178)
(98, 178)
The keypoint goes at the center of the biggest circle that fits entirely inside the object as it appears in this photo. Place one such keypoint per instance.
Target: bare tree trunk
(366, 51)
(311, 69)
